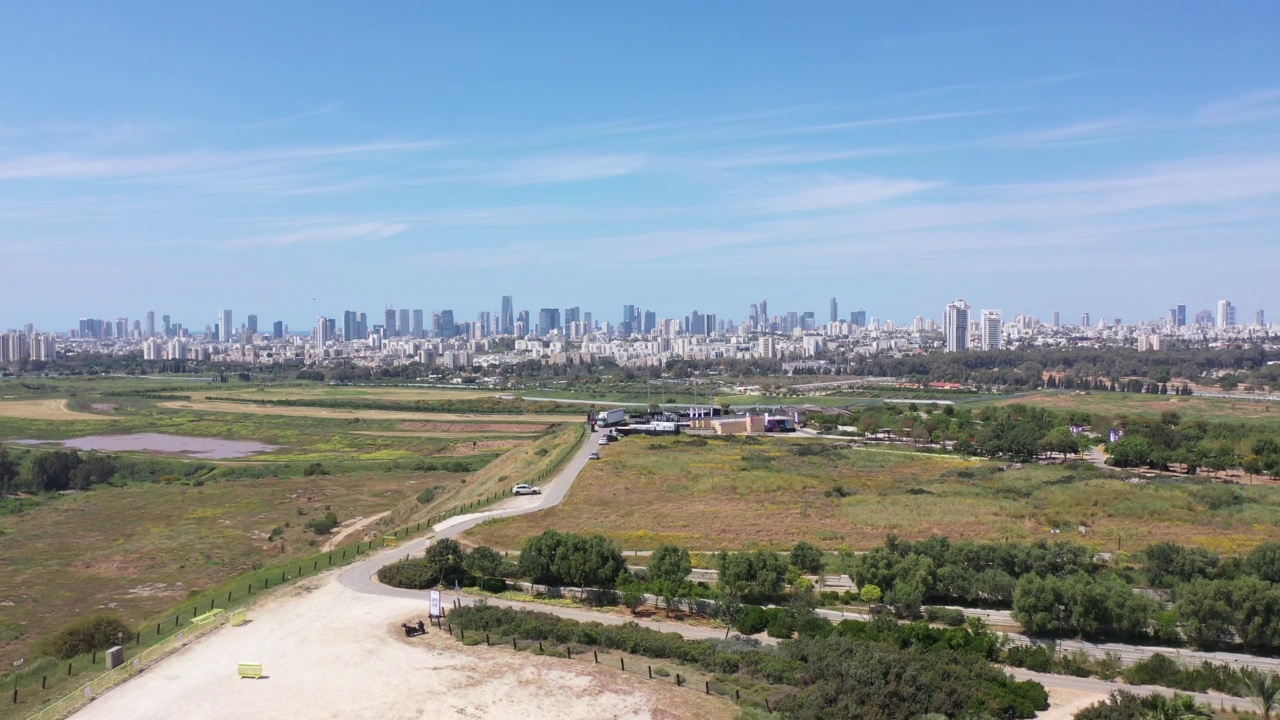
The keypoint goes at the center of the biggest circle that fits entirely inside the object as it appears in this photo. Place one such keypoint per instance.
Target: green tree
(1060, 440)
(1264, 690)
(484, 561)
(93, 469)
(51, 471)
(1178, 707)
(587, 561)
(1130, 451)
(728, 611)
(807, 558)
(538, 557)
(1205, 609)
(1038, 603)
(871, 594)
(1264, 561)
(760, 573)
(1256, 611)
(444, 560)
(670, 563)
(8, 473)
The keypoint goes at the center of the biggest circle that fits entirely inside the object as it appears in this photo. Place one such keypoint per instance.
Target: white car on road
(523, 489)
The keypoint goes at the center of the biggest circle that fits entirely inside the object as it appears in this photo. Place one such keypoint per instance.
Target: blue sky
(296, 160)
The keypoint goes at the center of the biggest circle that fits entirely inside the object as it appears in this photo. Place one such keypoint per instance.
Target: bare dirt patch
(44, 410)
(252, 409)
(473, 427)
(331, 653)
(481, 446)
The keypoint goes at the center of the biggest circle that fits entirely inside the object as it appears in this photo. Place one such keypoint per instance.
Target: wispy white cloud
(866, 123)
(1082, 133)
(362, 231)
(784, 157)
(838, 192)
(324, 109)
(1249, 107)
(165, 167)
(567, 169)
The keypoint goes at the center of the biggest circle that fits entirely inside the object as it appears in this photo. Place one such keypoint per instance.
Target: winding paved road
(360, 578)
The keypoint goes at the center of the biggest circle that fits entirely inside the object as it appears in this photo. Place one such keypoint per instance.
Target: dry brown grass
(138, 549)
(52, 409)
(1190, 408)
(252, 409)
(727, 495)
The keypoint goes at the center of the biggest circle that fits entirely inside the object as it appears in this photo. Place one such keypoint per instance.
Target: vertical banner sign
(434, 609)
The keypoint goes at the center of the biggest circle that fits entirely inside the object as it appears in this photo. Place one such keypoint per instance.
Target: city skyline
(901, 155)
(427, 322)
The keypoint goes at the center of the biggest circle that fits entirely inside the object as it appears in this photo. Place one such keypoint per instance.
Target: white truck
(609, 418)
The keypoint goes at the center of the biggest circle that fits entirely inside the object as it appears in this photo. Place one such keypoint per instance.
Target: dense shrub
(869, 681)
(414, 574)
(754, 619)
(94, 633)
(1162, 670)
(323, 525)
(946, 616)
(493, 584)
(835, 677)
(1035, 658)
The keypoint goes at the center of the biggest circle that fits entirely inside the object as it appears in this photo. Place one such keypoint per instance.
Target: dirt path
(329, 653)
(45, 410)
(359, 525)
(254, 409)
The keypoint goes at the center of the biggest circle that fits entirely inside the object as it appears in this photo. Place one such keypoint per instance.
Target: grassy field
(1115, 404)
(208, 406)
(734, 494)
(142, 547)
(139, 549)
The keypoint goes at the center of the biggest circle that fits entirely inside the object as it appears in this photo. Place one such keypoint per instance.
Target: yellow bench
(208, 617)
(390, 540)
(249, 670)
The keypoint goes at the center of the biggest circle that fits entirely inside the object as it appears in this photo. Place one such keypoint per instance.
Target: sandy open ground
(44, 410)
(329, 652)
(252, 409)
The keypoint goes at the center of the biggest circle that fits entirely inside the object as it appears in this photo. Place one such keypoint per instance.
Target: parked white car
(523, 489)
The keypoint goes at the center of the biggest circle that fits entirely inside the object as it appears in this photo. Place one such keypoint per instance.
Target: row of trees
(54, 471)
(832, 673)
(1078, 367)
(966, 572)
(1159, 443)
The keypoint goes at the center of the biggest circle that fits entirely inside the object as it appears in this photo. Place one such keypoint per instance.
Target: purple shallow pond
(199, 447)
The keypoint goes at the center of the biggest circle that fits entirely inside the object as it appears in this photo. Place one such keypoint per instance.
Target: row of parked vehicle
(605, 439)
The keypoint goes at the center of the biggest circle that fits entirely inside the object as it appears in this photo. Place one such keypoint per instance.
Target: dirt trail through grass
(253, 409)
(44, 410)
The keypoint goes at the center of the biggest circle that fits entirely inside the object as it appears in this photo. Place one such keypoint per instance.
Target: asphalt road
(360, 578)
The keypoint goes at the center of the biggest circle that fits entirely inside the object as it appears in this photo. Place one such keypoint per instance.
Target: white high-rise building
(1226, 314)
(320, 335)
(956, 326)
(991, 330)
(224, 326)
